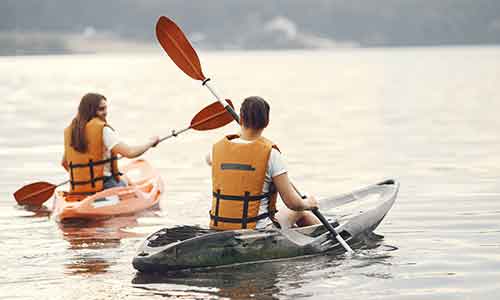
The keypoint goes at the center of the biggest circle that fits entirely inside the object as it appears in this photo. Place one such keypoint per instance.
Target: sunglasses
(101, 108)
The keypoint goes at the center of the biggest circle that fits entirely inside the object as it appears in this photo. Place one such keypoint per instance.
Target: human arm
(134, 151)
(290, 197)
(113, 142)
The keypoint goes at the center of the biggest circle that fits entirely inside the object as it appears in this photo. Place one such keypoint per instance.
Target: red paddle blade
(175, 43)
(34, 194)
(212, 116)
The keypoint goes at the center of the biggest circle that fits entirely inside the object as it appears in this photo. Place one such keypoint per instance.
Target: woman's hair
(87, 110)
(254, 113)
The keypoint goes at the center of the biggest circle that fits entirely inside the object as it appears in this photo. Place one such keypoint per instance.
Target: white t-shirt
(110, 139)
(275, 166)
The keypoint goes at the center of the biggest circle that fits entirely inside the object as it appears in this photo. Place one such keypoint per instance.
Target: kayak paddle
(35, 194)
(177, 46)
(211, 117)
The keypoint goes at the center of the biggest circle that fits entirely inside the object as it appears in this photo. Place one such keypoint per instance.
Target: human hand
(153, 141)
(311, 203)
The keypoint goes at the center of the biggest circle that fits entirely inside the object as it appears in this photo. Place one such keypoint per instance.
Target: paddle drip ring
(205, 81)
(174, 134)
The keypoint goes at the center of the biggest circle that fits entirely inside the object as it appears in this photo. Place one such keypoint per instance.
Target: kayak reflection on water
(215, 283)
(87, 240)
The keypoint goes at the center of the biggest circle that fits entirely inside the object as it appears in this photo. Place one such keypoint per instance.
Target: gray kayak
(356, 213)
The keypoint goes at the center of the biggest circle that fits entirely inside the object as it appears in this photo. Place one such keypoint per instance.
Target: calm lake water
(428, 117)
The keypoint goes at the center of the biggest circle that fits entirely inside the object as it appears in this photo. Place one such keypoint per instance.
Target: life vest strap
(237, 220)
(71, 175)
(245, 210)
(91, 165)
(92, 176)
(246, 198)
(88, 181)
(217, 205)
(95, 163)
(241, 198)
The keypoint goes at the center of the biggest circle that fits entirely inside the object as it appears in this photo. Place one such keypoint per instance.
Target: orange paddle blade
(212, 116)
(34, 194)
(175, 43)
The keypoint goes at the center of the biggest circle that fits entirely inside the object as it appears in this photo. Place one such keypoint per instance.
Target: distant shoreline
(43, 43)
(34, 43)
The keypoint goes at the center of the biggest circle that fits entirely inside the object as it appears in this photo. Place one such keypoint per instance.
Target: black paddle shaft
(233, 113)
(325, 222)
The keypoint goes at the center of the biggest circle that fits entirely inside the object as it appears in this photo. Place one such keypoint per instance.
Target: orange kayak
(144, 190)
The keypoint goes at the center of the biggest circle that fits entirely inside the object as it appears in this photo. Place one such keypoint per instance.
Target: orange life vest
(87, 169)
(238, 173)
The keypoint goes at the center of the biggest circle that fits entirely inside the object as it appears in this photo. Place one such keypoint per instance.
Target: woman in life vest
(247, 173)
(91, 148)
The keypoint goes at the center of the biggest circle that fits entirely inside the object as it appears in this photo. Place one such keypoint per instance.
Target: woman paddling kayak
(248, 172)
(91, 148)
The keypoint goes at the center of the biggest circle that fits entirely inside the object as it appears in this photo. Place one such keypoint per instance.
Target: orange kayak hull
(144, 190)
